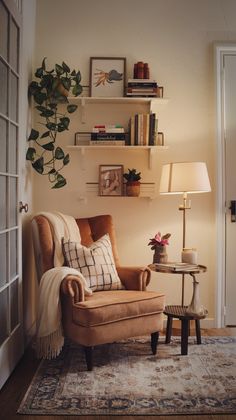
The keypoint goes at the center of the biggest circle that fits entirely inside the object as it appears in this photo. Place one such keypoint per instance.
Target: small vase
(160, 255)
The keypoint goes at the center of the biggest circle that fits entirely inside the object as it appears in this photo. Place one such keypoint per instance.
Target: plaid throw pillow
(96, 263)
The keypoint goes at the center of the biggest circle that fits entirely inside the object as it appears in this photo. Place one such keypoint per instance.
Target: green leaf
(33, 135)
(47, 113)
(39, 72)
(66, 82)
(41, 108)
(51, 126)
(46, 134)
(71, 108)
(43, 63)
(77, 90)
(30, 154)
(65, 67)
(59, 69)
(48, 146)
(59, 154)
(53, 171)
(52, 106)
(60, 128)
(78, 77)
(46, 81)
(33, 88)
(40, 97)
(65, 121)
(73, 73)
(66, 159)
(61, 183)
(38, 165)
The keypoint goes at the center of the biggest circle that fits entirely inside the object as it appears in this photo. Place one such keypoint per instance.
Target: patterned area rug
(128, 380)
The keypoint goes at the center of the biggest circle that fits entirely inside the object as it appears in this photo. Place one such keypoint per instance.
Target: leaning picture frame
(107, 76)
(111, 180)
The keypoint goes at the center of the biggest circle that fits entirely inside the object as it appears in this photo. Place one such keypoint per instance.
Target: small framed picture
(111, 180)
(107, 76)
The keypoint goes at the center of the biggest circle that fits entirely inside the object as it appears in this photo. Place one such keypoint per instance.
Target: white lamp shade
(184, 177)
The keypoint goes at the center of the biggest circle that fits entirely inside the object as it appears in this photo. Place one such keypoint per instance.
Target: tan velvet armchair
(106, 316)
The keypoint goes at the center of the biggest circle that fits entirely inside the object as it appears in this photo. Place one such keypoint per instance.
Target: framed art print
(107, 76)
(111, 180)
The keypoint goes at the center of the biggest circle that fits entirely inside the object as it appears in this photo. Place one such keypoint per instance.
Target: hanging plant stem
(50, 90)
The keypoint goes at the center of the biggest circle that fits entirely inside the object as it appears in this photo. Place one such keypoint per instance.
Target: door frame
(220, 49)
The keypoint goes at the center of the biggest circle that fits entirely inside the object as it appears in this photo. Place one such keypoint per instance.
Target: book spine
(107, 136)
(136, 130)
(132, 131)
(107, 142)
(152, 129)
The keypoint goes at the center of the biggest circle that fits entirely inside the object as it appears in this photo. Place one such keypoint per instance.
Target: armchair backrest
(91, 229)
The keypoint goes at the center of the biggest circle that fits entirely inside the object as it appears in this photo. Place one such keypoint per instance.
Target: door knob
(233, 210)
(24, 207)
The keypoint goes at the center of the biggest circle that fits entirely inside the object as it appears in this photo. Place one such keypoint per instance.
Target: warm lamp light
(184, 178)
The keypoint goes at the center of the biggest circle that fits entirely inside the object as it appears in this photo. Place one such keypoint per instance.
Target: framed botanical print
(107, 76)
(111, 180)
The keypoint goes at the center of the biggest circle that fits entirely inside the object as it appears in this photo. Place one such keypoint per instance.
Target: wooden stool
(179, 312)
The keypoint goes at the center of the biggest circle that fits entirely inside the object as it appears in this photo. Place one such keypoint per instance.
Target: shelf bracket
(83, 111)
(150, 157)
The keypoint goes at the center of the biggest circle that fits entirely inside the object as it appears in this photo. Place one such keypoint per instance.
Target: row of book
(144, 130)
(144, 88)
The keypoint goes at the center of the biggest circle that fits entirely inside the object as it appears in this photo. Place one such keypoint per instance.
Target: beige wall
(176, 38)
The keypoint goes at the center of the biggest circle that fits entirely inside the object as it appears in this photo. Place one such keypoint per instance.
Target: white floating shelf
(151, 149)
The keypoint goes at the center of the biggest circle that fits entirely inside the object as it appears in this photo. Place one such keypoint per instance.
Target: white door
(11, 330)
(229, 63)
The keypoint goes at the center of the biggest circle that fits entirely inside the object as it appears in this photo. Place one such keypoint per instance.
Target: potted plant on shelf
(132, 182)
(50, 91)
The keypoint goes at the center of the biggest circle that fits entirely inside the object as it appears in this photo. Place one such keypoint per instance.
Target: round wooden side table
(182, 312)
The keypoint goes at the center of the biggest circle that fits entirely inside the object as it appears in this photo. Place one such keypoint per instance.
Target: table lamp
(184, 178)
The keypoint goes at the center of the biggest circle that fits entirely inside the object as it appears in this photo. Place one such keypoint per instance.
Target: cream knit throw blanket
(49, 337)
(63, 226)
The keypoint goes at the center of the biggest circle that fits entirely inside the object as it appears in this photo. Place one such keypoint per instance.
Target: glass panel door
(11, 338)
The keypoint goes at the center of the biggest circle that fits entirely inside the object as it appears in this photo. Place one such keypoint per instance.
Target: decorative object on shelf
(196, 308)
(141, 70)
(111, 180)
(132, 182)
(158, 244)
(49, 91)
(144, 88)
(189, 255)
(184, 178)
(144, 130)
(107, 76)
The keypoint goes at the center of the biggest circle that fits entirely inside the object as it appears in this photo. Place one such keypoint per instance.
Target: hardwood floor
(16, 386)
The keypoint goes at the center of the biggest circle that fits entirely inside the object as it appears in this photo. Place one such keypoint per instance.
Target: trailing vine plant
(49, 91)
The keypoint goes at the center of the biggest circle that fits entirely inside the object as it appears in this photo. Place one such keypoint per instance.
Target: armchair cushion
(106, 308)
(96, 263)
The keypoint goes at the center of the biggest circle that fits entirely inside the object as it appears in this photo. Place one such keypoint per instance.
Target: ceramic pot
(133, 189)
(160, 254)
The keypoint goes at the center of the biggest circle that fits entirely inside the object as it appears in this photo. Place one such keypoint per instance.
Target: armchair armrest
(73, 287)
(134, 278)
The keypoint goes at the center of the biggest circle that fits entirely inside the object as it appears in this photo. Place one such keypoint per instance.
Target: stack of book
(144, 88)
(177, 266)
(144, 130)
(108, 135)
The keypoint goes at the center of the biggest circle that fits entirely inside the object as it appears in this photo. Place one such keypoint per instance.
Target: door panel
(230, 187)
(11, 327)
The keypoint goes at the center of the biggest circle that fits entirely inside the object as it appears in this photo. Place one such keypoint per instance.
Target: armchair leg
(89, 357)
(154, 341)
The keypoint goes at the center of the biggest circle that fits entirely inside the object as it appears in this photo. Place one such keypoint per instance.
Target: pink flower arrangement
(159, 240)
